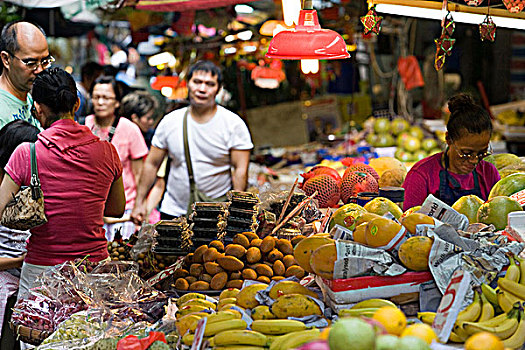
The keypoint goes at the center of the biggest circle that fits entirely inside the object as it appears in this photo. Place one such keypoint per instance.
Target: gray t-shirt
(12, 108)
(12, 245)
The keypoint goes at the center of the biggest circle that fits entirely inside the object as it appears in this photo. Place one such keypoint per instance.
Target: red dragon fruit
(320, 170)
(327, 190)
(364, 168)
(357, 182)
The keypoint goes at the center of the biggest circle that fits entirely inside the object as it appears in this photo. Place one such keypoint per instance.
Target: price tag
(450, 304)
(199, 334)
(520, 197)
(170, 270)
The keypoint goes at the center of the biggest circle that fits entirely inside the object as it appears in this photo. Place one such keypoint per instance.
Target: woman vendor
(460, 170)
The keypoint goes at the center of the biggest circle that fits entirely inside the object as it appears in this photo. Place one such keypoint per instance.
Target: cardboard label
(170, 270)
(450, 305)
(199, 334)
(520, 197)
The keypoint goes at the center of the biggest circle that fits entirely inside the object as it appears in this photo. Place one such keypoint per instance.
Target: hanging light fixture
(307, 40)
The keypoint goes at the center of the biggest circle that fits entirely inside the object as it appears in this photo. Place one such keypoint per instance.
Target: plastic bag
(410, 72)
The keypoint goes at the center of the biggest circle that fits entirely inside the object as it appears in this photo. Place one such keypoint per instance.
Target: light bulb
(291, 9)
(160, 58)
(310, 66)
(246, 35)
(166, 91)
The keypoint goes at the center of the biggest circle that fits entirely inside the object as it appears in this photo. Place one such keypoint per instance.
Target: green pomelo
(382, 125)
(382, 205)
(468, 205)
(495, 211)
(412, 343)
(387, 342)
(429, 143)
(399, 125)
(502, 160)
(346, 216)
(351, 333)
(508, 185)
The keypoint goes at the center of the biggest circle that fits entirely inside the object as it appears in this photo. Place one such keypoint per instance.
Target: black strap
(187, 149)
(113, 129)
(35, 180)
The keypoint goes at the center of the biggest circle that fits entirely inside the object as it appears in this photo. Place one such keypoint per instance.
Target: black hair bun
(460, 102)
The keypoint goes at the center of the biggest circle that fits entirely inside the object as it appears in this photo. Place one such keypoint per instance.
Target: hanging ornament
(439, 61)
(371, 21)
(474, 2)
(487, 28)
(447, 25)
(514, 6)
(444, 45)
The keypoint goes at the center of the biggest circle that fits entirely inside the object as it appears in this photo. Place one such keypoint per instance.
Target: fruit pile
(215, 266)
(118, 250)
(226, 328)
(498, 312)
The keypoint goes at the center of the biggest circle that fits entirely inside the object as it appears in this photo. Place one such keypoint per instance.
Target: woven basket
(29, 335)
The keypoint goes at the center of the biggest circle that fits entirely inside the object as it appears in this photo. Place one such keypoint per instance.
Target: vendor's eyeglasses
(471, 156)
(33, 64)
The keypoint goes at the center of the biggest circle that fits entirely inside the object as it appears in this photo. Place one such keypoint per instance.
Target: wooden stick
(285, 206)
(294, 212)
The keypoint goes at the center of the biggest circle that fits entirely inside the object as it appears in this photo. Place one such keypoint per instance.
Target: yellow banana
(493, 322)
(240, 337)
(189, 296)
(487, 310)
(455, 338)
(507, 300)
(282, 342)
(516, 340)
(489, 293)
(472, 312)
(515, 288)
(187, 339)
(368, 312)
(225, 301)
(189, 309)
(202, 302)
(426, 317)
(461, 334)
(522, 269)
(373, 303)
(187, 322)
(513, 271)
(274, 327)
(218, 317)
(239, 347)
(504, 330)
(217, 327)
(299, 338)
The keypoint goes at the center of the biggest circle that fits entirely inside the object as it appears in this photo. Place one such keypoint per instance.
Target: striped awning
(184, 5)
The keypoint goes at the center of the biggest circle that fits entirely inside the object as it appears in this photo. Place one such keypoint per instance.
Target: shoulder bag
(195, 194)
(26, 209)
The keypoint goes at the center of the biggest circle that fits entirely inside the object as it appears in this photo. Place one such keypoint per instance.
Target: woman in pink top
(80, 175)
(127, 139)
(460, 170)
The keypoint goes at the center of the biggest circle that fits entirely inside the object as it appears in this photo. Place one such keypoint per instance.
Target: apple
(399, 125)
(382, 125)
(416, 131)
(428, 143)
(411, 144)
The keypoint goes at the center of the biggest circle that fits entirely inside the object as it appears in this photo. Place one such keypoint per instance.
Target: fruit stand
(304, 268)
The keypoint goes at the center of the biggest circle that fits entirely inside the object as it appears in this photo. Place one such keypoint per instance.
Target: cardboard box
(353, 290)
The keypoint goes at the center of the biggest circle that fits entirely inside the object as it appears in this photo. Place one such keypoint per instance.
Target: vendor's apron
(450, 190)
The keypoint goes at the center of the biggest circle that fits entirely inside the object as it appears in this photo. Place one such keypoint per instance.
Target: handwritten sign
(170, 270)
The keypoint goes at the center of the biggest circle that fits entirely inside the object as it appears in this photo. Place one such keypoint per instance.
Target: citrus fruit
(346, 216)
(484, 341)
(468, 206)
(495, 211)
(414, 253)
(393, 319)
(422, 331)
(382, 205)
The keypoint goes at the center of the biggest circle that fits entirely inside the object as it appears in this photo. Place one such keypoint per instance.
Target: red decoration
(474, 2)
(514, 6)
(487, 29)
(371, 21)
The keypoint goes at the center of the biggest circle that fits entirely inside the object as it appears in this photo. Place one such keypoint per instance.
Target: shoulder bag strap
(35, 180)
(113, 129)
(187, 149)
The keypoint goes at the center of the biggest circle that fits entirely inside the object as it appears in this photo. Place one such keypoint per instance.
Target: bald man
(24, 54)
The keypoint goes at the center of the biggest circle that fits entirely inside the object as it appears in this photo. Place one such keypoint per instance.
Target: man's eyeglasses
(33, 64)
(471, 156)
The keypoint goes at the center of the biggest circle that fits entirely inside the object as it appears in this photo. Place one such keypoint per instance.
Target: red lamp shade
(307, 41)
(165, 80)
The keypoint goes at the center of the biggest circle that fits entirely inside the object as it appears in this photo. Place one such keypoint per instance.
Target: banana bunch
(216, 323)
(366, 308)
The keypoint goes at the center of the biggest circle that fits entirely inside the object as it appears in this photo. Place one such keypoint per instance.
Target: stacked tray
(243, 213)
(174, 237)
(208, 222)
